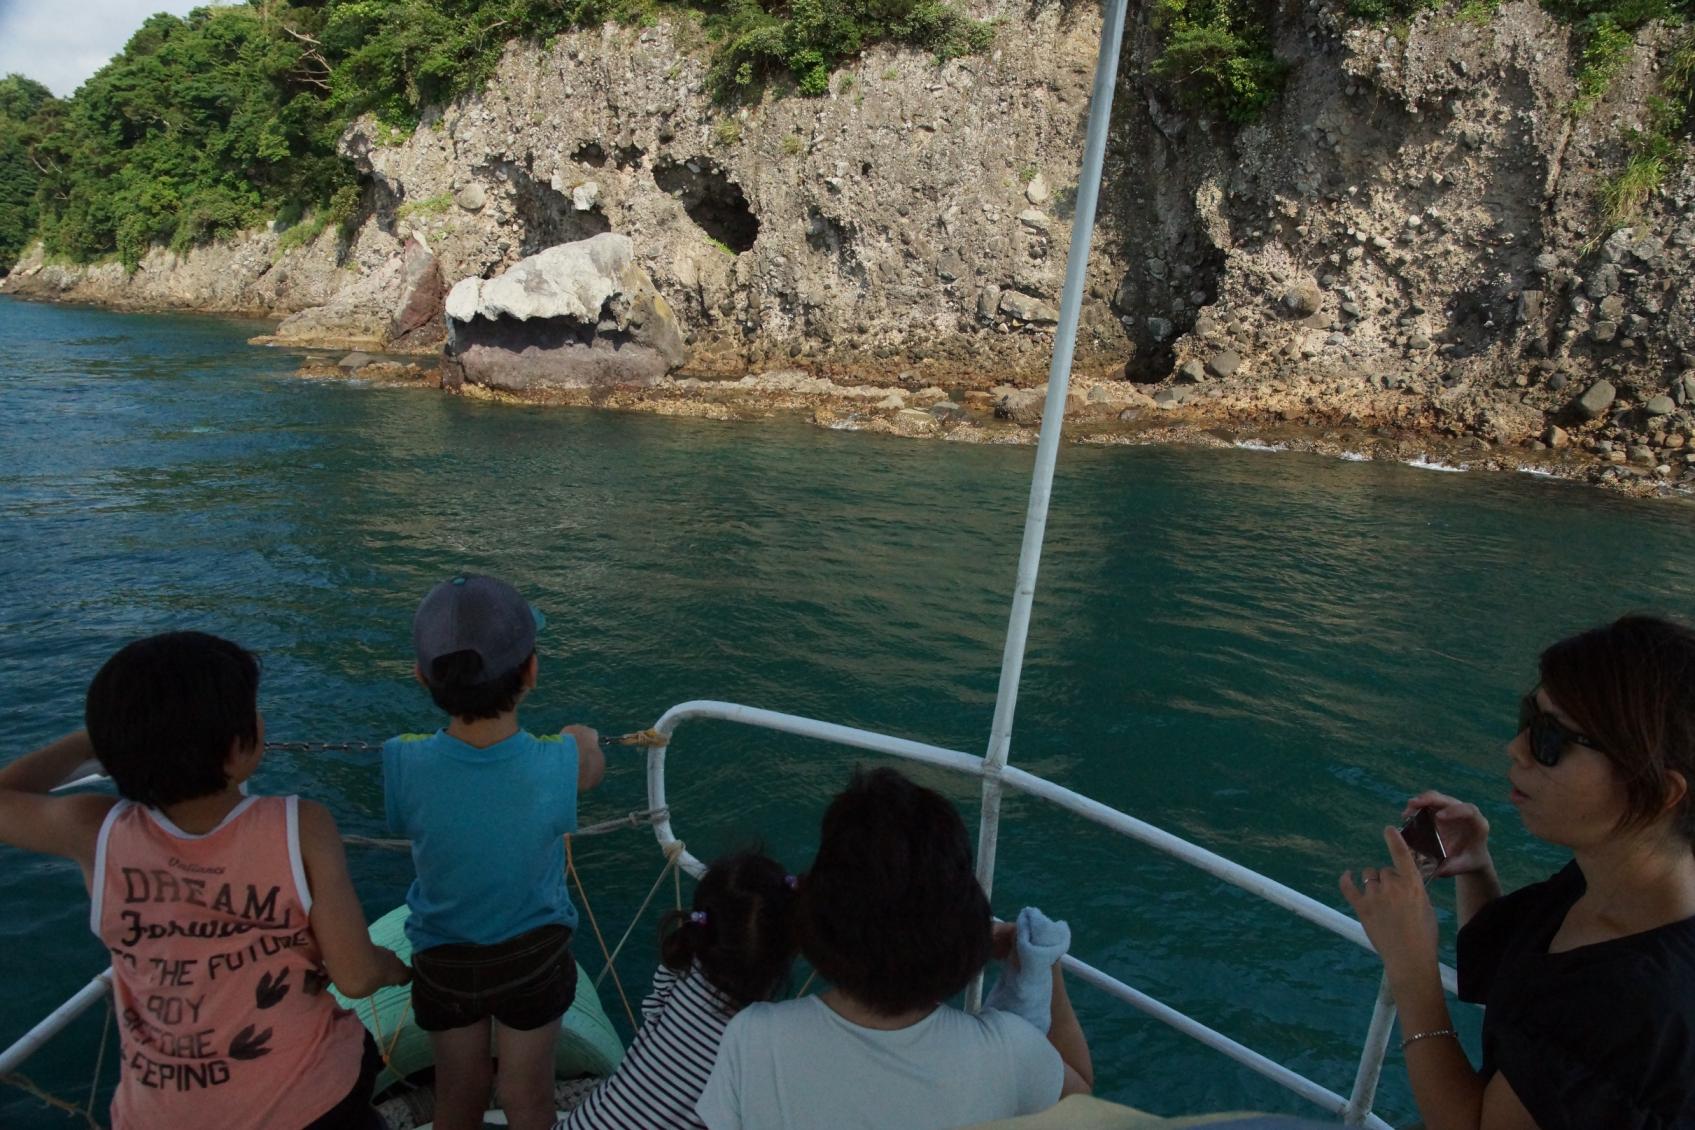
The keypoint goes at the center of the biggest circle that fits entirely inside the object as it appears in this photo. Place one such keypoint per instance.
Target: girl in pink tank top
(226, 916)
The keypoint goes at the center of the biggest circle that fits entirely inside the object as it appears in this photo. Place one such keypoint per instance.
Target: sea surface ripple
(1266, 653)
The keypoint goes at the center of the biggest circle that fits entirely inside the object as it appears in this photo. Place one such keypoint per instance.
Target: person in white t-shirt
(892, 916)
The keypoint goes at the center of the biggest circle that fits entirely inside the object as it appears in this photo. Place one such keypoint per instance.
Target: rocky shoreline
(1381, 426)
(1604, 438)
(1402, 256)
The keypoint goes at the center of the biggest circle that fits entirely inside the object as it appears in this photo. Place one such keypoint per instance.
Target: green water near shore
(1264, 653)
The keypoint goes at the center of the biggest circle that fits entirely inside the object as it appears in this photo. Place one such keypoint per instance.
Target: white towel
(1025, 987)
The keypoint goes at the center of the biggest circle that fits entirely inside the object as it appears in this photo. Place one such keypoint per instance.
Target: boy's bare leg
(463, 1076)
(525, 1083)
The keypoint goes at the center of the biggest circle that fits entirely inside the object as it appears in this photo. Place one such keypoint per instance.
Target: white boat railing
(56, 1021)
(1354, 1108)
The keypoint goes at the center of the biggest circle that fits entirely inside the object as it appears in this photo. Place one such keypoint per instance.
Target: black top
(1601, 1037)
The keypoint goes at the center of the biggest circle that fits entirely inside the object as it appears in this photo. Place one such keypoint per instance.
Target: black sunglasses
(1548, 735)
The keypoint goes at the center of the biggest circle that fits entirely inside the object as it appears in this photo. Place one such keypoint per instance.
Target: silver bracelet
(1417, 1036)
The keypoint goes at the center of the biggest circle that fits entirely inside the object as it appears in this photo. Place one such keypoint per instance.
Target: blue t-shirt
(485, 826)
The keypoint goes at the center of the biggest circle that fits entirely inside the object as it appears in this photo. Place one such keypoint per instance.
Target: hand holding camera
(1461, 833)
(1393, 906)
(1421, 835)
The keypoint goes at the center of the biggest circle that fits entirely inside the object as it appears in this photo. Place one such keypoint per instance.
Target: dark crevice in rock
(1478, 319)
(629, 156)
(548, 217)
(1162, 294)
(590, 153)
(832, 237)
(378, 198)
(506, 332)
(711, 199)
(507, 353)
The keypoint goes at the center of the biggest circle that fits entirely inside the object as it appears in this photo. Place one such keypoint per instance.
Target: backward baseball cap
(480, 614)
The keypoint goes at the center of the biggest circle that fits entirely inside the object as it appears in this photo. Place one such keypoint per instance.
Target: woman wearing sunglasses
(1589, 975)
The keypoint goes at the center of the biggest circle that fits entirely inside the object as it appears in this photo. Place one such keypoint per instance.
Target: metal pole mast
(1047, 447)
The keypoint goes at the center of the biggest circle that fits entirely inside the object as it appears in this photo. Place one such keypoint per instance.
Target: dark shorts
(355, 1112)
(523, 982)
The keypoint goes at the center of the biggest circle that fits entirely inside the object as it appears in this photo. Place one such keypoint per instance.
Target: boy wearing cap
(485, 804)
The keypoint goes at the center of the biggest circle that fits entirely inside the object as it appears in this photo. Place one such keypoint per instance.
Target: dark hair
(164, 712)
(1630, 687)
(458, 685)
(739, 931)
(891, 911)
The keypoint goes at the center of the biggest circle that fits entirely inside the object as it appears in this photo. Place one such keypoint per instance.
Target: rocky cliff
(1408, 240)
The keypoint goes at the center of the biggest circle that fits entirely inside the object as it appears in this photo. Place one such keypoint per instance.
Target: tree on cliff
(22, 101)
(202, 126)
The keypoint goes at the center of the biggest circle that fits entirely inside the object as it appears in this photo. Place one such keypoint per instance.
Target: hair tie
(697, 917)
(791, 882)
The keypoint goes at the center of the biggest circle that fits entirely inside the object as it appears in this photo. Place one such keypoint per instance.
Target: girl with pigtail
(733, 948)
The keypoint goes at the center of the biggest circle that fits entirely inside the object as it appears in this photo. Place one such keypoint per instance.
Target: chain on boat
(634, 738)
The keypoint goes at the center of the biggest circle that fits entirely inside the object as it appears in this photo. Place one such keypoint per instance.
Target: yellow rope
(650, 738)
(571, 868)
(670, 862)
(377, 1026)
(399, 1027)
(24, 1083)
(387, 1053)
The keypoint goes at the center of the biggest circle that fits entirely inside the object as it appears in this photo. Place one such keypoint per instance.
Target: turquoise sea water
(1264, 653)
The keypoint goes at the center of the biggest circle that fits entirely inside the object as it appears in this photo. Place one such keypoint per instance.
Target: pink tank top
(222, 1015)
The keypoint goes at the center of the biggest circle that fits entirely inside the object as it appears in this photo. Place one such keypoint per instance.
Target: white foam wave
(1425, 463)
(1354, 457)
(1259, 445)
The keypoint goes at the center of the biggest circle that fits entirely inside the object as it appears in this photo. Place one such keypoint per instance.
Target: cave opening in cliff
(712, 200)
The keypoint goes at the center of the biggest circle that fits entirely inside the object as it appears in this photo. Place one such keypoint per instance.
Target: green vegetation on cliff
(201, 126)
(1217, 54)
(229, 117)
(1654, 152)
(807, 39)
(1218, 58)
(23, 107)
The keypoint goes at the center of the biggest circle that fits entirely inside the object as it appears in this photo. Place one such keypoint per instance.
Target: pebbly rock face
(580, 315)
(863, 234)
(394, 307)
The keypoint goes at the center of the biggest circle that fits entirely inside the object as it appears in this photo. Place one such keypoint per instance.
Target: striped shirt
(665, 1070)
